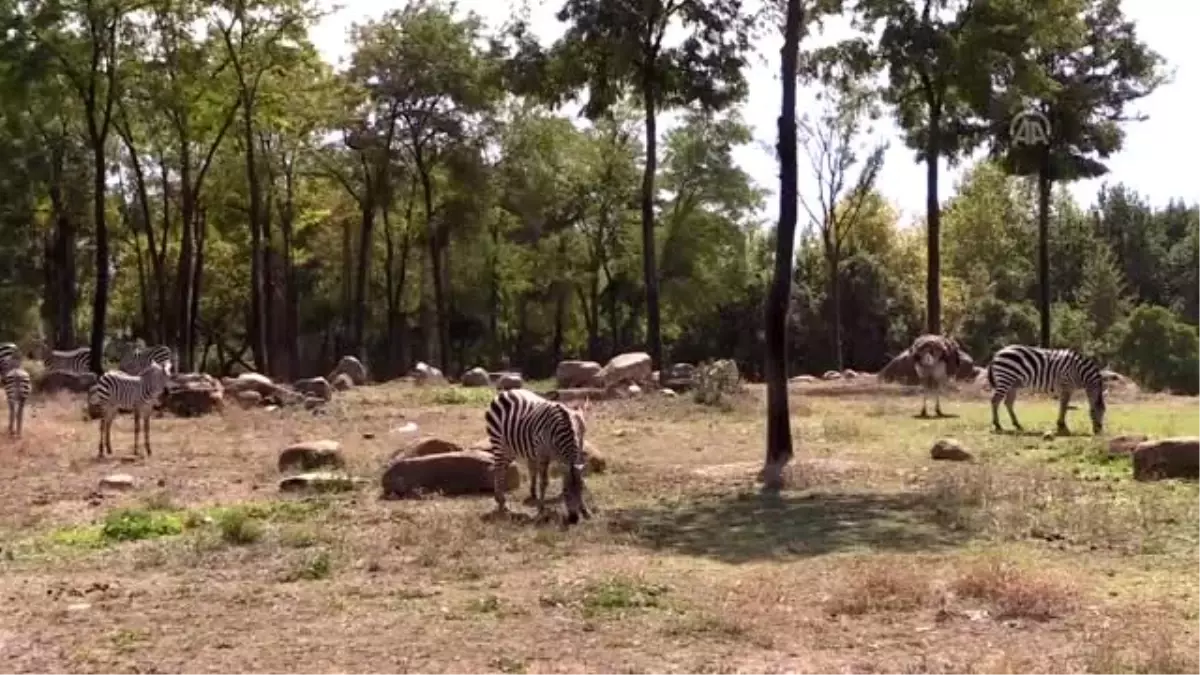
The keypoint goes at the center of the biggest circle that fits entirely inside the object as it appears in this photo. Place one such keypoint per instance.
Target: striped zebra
(1046, 370)
(137, 359)
(935, 359)
(70, 361)
(17, 387)
(115, 390)
(9, 353)
(521, 424)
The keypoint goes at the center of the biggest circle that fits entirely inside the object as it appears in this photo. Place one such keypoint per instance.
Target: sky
(1155, 160)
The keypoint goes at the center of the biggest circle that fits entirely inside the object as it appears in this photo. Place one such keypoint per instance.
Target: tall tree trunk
(365, 232)
(100, 218)
(258, 343)
(933, 224)
(649, 248)
(201, 232)
(1045, 183)
(833, 258)
(779, 431)
(291, 303)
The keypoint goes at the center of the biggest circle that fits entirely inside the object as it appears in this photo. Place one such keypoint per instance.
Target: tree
(832, 144)
(929, 49)
(613, 47)
(779, 429)
(1082, 65)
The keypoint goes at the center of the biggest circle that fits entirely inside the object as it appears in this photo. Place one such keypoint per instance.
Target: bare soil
(1043, 555)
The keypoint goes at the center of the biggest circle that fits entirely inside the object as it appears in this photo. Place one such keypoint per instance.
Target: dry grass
(876, 560)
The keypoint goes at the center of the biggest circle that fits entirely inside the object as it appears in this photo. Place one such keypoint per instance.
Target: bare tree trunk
(779, 431)
(649, 247)
(1045, 184)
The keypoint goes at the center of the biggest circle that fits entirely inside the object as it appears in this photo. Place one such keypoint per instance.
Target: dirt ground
(1041, 556)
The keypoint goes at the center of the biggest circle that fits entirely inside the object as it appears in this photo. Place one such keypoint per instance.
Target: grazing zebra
(521, 424)
(935, 359)
(115, 390)
(1047, 370)
(136, 359)
(69, 361)
(17, 387)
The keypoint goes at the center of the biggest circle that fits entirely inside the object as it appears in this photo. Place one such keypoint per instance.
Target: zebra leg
(544, 472)
(146, 430)
(500, 464)
(532, 499)
(20, 417)
(137, 427)
(1008, 403)
(1064, 401)
(11, 414)
(996, 398)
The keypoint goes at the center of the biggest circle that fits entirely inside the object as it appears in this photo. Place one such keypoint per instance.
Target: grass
(1042, 556)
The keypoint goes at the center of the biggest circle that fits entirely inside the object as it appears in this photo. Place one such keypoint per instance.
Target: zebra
(9, 353)
(115, 390)
(70, 361)
(936, 360)
(521, 424)
(1047, 370)
(136, 359)
(17, 387)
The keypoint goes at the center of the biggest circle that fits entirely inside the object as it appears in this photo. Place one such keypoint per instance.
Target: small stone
(320, 481)
(951, 450)
(117, 481)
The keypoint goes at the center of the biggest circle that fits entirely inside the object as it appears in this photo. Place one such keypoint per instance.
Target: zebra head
(1097, 409)
(573, 480)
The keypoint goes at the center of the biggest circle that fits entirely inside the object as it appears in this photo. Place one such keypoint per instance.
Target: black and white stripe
(1046, 370)
(116, 390)
(69, 361)
(10, 356)
(137, 359)
(521, 424)
(17, 387)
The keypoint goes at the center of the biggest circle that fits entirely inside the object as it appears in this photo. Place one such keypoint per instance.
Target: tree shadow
(748, 526)
(1023, 433)
(943, 416)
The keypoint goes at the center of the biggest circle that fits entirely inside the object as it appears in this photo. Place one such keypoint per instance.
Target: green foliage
(1161, 352)
(136, 524)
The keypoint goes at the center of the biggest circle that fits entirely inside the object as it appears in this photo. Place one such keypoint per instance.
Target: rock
(352, 367)
(317, 387)
(252, 382)
(427, 446)
(406, 428)
(423, 373)
(1125, 445)
(453, 473)
(310, 455)
(949, 449)
(831, 375)
(117, 481)
(581, 394)
(572, 374)
(668, 392)
(320, 481)
(343, 382)
(55, 381)
(1167, 458)
(476, 377)
(248, 399)
(631, 367)
(510, 381)
(681, 371)
(634, 390)
(193, 394)
(848, 374)
(803, 379)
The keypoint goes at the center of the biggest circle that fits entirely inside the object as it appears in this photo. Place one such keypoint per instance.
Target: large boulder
(679, 377)
(55, 381)
(628, 368)
(510, 381)
(310, 455)
(343, 382)
(427, 446)
(252, 382)
(193, 394)
(452, 473)
(350, 366)
(572, 374)
(316, 387)
(423, 373)
(1167, 458)
(476, 377)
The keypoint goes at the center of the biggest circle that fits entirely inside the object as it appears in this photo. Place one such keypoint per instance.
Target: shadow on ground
(747, 527)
